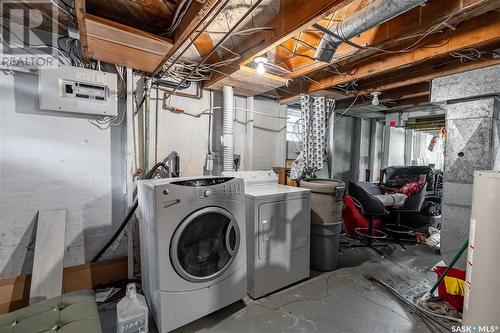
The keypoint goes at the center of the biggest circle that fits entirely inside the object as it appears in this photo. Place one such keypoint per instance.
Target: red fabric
(354, 218)
(456, 300)
(411, 188)
(408, 189)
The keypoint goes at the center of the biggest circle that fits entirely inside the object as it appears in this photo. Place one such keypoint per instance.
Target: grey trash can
(326, 199)
(325, 244)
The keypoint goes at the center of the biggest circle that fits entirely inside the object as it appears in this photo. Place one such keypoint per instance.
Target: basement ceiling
(154, 16)
(436, 39)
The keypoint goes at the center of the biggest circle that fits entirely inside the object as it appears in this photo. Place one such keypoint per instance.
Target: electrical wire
(29, 47)
(348, 108)
(182, 9)
(467, 55)
(65, 10)
(179, 69)
(216, 46)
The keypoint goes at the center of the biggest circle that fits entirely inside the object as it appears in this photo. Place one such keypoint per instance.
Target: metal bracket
(331, 33)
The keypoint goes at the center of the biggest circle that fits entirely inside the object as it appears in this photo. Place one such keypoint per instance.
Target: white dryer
(278, 232)
(193, 247)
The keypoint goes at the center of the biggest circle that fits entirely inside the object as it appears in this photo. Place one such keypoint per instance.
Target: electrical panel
(78, 90)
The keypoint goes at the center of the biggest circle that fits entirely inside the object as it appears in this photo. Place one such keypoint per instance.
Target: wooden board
(122, 45)
(154, 16)
(14, 292)
(48, 261)
(247, 82)
(475, 33)
(294, 16)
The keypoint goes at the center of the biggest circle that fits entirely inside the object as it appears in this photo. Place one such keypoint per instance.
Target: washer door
(205, 244)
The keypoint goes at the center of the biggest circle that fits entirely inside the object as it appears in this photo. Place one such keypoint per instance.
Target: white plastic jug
(132, 312)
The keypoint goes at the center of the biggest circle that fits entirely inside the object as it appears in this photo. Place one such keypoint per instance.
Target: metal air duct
(377, 12)
(228, 128)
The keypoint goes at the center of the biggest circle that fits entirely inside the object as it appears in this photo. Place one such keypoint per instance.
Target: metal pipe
(377, 12)
(249, 135)
(228, 128)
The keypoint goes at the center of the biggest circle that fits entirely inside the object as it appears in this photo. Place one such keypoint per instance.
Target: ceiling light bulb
(375, 100)
(260, 68)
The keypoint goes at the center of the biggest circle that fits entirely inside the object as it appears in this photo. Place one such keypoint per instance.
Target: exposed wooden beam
(247, 82)
(198, 12)
(408, 92)
(412, 101)
(204, 45)
(81, 11)
(424, 75)
(294, 16)
(123, 45)
(387, 34)
(474, 33)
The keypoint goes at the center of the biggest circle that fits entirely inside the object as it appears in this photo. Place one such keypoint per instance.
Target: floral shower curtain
(314, 118)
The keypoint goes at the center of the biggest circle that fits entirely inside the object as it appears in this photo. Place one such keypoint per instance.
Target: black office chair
(363, 196)
(412, 204)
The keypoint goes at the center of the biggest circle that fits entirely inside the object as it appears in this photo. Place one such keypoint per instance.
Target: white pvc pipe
(249, 135)
(228, 128)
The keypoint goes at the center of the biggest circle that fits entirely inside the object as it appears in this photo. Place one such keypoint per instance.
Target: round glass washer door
(205, 244)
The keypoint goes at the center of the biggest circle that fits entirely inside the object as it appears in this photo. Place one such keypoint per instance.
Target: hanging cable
(220, 42)
(348, 108)
(131, 212)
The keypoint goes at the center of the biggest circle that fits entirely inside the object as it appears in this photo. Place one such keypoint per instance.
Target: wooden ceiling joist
(119, 44)
(399, 94)
(197, 13)
(474, 33)
(81, 11)
(425, 75)
(247, 82)
(412, 23)
(294, 16)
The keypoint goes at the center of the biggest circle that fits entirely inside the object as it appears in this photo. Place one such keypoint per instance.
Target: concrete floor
(339, 301)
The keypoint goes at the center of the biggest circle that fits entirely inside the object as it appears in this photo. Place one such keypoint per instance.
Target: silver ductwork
(228, 128)
(377, 12)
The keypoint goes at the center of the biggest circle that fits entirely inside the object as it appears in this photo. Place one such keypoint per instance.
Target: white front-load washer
(193, 247)
(278, 232)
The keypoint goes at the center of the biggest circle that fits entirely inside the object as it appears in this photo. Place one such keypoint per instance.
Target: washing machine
(193, 246)
(278, 232)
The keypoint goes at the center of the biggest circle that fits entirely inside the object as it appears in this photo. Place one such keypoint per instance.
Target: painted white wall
(184, 134)
(189, 136)
(52, 160)
(394, 147)
(344, 147)
(269, 138)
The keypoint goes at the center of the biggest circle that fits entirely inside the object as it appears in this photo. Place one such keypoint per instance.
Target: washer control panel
(229, 189)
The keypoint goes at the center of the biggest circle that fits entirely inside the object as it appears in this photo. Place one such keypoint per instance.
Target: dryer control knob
(207, 193)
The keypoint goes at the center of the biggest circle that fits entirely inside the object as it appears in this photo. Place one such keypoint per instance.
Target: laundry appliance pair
(207, 241)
